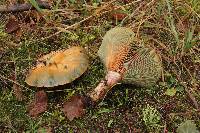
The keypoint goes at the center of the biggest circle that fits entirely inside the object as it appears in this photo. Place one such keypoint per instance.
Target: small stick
(192, 98)
(22, 7)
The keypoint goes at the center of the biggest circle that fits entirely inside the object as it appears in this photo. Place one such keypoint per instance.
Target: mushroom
(54, 69)
(125, 61)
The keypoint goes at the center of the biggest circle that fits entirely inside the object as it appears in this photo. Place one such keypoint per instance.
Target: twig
(192, 98)
(22, 7)
(78, 23)
(188, 71)
(188, 92)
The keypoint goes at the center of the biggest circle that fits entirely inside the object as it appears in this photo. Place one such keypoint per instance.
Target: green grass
(171, 27)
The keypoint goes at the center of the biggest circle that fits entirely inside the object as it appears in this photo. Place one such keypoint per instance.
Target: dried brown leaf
(39, 104)
(12, 25)
(75, 107)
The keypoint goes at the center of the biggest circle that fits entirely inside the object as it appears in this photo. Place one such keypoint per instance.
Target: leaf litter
(39, 104)
(75, 107)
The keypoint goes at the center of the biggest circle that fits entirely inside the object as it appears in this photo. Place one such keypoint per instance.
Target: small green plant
(101, 111)
(151, 118)
(171, 24)
(170, 92)
(189, 39)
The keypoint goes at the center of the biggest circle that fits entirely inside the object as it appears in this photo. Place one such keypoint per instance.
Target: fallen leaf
(39, 104)
(12, 25)
(75, 107)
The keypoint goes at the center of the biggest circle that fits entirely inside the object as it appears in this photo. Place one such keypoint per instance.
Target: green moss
(123, 108)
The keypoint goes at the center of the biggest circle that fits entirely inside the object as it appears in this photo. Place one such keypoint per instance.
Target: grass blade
(35, 4)
(170, 21)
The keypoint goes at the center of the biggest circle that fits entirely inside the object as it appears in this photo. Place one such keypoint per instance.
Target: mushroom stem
(73, 109)
(110, 80)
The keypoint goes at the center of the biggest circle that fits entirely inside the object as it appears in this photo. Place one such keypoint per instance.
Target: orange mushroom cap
(58, 68)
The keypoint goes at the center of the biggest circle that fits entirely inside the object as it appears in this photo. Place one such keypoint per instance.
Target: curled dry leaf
(38, 105)
(75, 107)
(12, 25)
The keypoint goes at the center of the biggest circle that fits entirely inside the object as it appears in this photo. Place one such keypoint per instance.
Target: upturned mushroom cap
(58, 68)
(136, 64)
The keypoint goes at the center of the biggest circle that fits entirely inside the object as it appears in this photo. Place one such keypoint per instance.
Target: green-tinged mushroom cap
(136, 64)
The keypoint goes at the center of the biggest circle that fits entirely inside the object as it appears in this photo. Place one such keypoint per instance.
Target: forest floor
(171, 27)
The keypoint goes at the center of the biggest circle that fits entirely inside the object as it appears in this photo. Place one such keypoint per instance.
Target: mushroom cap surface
(58, 68)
